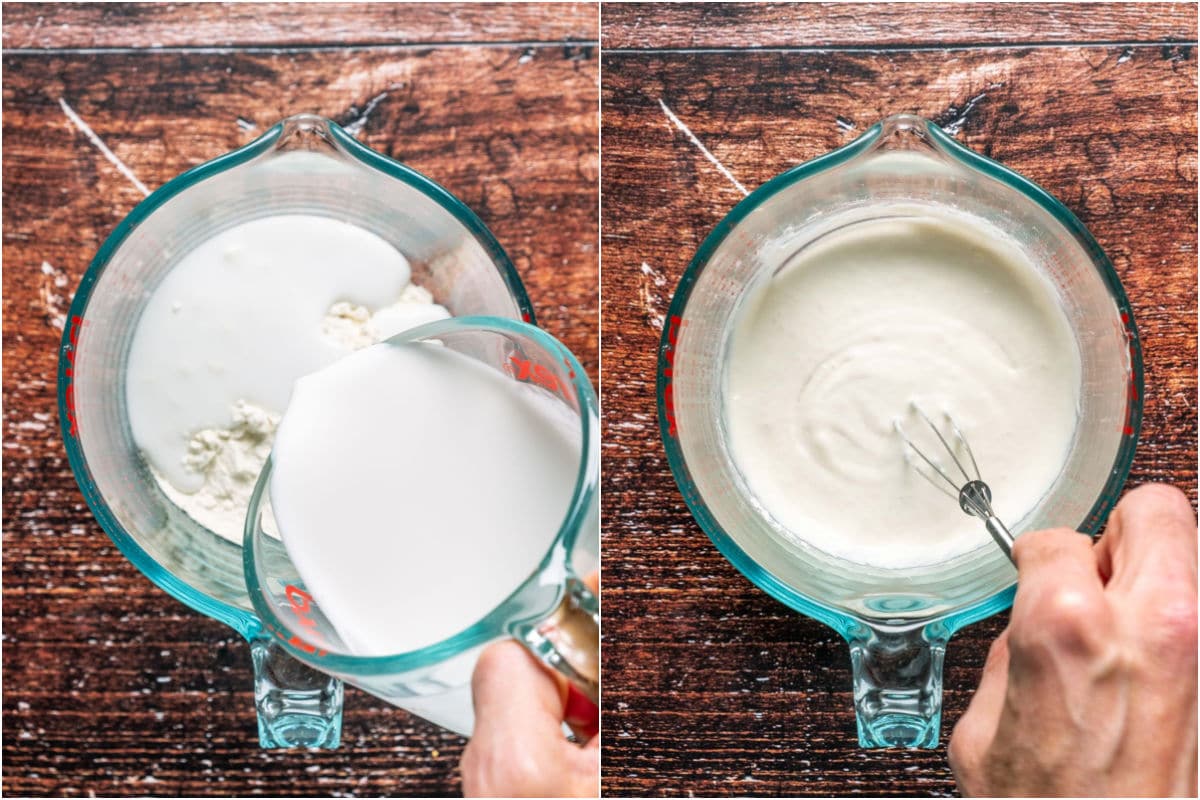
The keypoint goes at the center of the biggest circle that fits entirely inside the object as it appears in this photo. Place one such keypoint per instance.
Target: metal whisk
(974, 496)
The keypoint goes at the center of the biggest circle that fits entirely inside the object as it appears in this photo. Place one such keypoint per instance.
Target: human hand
(518, 748)
(1091, 690)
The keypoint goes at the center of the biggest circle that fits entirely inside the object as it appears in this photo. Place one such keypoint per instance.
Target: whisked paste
(832, 350)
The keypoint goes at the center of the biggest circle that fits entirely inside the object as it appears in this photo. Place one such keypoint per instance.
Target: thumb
(513, 692)
(977, 727)
(517, 748)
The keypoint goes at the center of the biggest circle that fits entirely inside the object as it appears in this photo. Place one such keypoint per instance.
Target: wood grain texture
(123, 25)
(886, 25)
(711, 687)
(111, 686)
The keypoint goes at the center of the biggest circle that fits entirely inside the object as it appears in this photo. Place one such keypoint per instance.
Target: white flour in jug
(229, 330)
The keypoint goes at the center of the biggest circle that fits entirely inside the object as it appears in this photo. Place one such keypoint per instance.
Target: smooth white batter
(232, 326)
(415, 488)
(935, 309)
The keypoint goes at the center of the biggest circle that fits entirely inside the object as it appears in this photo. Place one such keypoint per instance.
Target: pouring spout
(308, 132)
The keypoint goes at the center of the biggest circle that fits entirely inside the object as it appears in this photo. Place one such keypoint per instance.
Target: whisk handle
(1000, 533)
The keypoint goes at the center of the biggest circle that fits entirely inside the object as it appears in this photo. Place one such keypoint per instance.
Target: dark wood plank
(711, 687)
(110, 686)
(90, 25)
(881, 25)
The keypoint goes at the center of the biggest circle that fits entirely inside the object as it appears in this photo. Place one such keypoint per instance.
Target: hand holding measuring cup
(435, 493)
(517, 749)
(1091, 690)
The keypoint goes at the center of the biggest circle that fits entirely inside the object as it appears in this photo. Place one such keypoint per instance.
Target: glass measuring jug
(552, 612)
(897, 622)
(303, 165)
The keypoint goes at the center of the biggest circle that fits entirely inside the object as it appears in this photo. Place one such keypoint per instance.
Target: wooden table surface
(711, 687)
(111, 686)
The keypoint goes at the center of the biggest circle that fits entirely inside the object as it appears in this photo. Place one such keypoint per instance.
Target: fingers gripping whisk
(974, 496)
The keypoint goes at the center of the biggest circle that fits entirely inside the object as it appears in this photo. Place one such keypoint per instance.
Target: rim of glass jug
(240, 619)
(494, 624)
(836, 617)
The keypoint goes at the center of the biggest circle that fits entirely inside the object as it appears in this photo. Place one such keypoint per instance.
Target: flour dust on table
(228, 331)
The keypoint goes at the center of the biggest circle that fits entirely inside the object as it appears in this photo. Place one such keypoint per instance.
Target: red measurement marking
(673, 327)
(531, 372)
(525, 316)
(72, 346)
(301, 603)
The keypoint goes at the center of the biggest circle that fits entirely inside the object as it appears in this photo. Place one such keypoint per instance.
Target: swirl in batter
(930, 309)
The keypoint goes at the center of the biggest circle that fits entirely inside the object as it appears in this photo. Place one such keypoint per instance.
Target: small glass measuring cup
(304, 165)
(897, 622)
(552, 612)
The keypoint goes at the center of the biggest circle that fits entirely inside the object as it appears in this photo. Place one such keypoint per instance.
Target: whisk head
(972, 494)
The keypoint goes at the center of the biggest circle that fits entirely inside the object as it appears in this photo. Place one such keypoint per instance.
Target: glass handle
(898, 684)
(568, 640)
(297, 706)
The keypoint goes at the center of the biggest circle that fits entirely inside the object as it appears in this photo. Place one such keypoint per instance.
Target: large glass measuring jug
(897, 622)
(303, 165)
(551, 611)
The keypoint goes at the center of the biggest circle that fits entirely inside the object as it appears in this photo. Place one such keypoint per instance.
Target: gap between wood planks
(615, 51)
(291, 48)
(895, 48)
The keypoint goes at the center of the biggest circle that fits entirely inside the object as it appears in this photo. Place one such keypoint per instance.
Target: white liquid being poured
(415, 488)
(935, 310)
(232, 326)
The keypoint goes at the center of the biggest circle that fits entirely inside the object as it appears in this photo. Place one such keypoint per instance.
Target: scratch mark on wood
(954, 118)
(678, 123)
(86, 130)
(356, 127)
(54, 304)
(652, 282)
